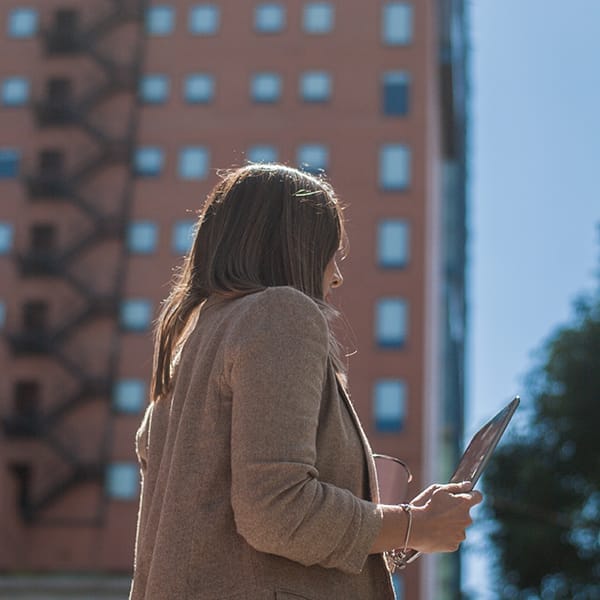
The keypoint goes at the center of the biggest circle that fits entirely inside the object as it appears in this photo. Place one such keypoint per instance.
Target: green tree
(543, 485)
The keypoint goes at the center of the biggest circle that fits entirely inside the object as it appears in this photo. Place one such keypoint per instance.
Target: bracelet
(407, 508)
(398, 557)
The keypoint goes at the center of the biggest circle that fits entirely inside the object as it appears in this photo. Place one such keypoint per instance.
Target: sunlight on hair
(300, 193)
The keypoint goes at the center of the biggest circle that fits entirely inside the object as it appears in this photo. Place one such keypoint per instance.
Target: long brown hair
(261, 226)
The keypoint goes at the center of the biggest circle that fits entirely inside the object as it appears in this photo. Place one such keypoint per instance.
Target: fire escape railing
(51, 181)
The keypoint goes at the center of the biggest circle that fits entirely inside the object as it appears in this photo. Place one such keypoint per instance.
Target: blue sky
(534, 191)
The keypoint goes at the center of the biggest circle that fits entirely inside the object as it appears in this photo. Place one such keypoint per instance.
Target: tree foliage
(543, 485)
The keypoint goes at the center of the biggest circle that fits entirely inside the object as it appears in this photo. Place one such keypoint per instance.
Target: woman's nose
(337, 278)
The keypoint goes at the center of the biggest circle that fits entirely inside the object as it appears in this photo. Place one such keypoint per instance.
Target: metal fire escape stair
(51, 182)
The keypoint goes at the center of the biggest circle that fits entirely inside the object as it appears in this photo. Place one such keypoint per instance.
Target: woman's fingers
(457, 488)
(472, 498)
(444, 516)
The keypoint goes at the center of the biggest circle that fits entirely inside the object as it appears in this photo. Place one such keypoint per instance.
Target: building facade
(115, 118)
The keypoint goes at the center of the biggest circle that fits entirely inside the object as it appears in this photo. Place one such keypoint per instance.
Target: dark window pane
(396, 93)
(35, 316)
(59, 90)
(9, 163)
(50, 162)
(43, 237)
(27, 399)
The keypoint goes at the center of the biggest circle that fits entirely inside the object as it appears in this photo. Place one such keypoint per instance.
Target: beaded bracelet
(398, 557)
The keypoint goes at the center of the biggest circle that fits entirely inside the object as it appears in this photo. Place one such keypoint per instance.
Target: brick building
(115, 117)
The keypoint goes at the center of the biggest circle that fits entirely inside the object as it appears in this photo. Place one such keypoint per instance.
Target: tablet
(478, 452)
(483, 444)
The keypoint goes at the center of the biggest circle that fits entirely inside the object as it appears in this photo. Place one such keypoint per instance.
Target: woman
(257, 479)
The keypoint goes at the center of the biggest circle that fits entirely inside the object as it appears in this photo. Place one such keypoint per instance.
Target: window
(26, 406)
(315, 86)
(397, 25)
(35, 316)
(389, 405)
(391, 322)
(266, 87)
(15, 91)
(395, 93)
(50, 163)
(193, 162)
(136, 315)
(318, 17)
(129, 396)
(6, 237)
(59, 93)
(262, 153)
(160, 20)
(269, 18)
(149, 161)
(22, 23)
(122, 480)
(183, 236)
(154, 89)
(42, 237)
(199, 88)
(9, 163)
(142, 237)
(2, 314)
(393, 243)
(394, 167)
(65, 30)
(204, 19)
(26, 399)
(313, 158)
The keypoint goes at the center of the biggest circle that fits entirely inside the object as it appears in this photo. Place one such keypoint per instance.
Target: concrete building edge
(433, 265)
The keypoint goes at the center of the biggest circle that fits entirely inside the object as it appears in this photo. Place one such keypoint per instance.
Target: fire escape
(42, 483)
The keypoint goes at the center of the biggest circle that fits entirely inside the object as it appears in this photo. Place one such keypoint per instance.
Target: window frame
(318, 30)
(389, 37)
(9, 170)
(215, 11)
(132, 471)
(135, 326)
(163, 97)
(7, 236)
(179, 245)
(400, 259)
(270, 99)
(22, 101)
(143, 248)
(386, 340)
(279, 28)
(14, 14)
(383, 422)
(305, 78)
(390, 184)
(187, 83)
(387, 91)
(159, 155)
(186, 158)
(120, 390)
(306, 166)
(163, 30)
(258, 148)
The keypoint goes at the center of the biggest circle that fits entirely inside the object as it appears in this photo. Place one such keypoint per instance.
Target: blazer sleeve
(277, 380)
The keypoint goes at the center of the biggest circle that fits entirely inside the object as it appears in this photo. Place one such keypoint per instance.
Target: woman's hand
(441, 515)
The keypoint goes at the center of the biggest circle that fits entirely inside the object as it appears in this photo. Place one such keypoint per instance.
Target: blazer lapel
(368, 453)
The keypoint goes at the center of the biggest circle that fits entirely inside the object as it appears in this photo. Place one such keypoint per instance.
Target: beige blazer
(257, 479)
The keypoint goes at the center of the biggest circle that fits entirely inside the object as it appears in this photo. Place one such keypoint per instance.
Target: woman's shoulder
(279, 299)
(278, 305)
